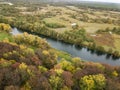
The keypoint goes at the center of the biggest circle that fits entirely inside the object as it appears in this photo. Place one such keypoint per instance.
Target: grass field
(65, 18)
(4, 35)
(89, 27)
(62, 15)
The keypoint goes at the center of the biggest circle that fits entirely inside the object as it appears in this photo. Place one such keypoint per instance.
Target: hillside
(25, 65)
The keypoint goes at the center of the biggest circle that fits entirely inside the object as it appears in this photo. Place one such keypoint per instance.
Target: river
(83, 53)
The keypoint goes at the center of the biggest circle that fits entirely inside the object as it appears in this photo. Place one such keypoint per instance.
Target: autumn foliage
(29, 63)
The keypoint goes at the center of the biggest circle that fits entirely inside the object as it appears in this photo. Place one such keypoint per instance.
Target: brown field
(105, 39)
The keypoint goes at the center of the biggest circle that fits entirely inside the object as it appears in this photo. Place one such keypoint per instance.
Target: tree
(100, 49)
(77, 62)
(12, 78)
(93, 82)
(116, 54)
(110, 51)
(47, 57)
(38, 82)
(12, 88)
(56, 82)
(24, 73)
(67, 66)
(67, 77)
(5, 27)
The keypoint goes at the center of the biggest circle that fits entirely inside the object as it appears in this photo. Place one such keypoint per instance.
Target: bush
(54, 25)
(5, 27)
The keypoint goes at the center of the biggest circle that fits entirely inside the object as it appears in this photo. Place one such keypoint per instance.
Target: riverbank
(83, 53)
(78, 42)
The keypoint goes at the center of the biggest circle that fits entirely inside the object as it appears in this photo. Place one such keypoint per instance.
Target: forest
(28, 62)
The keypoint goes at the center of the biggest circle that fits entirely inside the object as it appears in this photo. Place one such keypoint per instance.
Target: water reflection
(15, 31)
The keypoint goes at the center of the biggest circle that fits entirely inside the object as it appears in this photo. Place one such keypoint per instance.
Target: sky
(113, 1)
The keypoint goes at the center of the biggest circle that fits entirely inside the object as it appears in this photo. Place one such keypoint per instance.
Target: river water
(81, 52)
